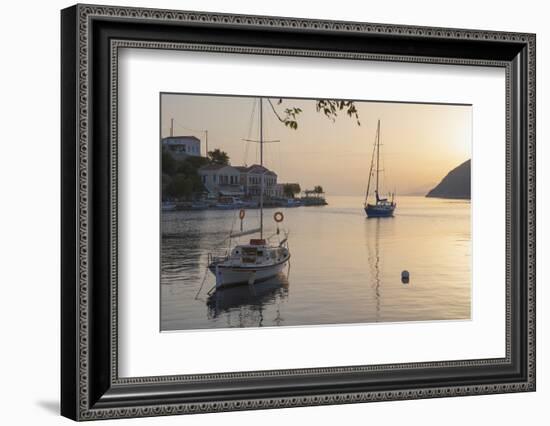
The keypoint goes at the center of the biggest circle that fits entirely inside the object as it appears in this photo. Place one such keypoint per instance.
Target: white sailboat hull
(256, 261)
(228, 275)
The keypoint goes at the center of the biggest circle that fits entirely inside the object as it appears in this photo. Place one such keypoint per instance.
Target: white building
(221, 179)
(183, 145)
(251, 180)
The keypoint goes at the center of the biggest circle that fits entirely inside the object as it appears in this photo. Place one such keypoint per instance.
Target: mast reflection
(373, 248)
(243, 305)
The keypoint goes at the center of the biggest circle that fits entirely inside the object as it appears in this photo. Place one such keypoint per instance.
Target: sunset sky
(421, 143)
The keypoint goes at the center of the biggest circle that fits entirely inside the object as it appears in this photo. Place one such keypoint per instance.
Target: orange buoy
(241, 214)
(278, 216)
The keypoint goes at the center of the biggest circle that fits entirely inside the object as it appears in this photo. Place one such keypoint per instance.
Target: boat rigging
(258, 260)
(382, 207)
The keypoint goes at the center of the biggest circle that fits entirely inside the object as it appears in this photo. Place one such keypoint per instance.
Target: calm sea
(344, 267)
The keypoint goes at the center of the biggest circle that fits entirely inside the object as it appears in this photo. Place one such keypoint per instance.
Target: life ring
(241, 214)
(278, 216)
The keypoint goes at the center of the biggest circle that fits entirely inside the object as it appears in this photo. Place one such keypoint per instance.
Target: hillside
(455, 185)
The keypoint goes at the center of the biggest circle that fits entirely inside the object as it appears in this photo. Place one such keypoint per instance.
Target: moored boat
(382, 207)
(168, 206)
(258, 260)
(249, 263)
(229, 203)
(292, 202)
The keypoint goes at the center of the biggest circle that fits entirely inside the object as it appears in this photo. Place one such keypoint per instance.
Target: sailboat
(258, 260)
(382, 206)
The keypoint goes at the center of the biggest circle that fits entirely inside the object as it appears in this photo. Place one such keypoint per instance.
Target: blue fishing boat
(382, 207)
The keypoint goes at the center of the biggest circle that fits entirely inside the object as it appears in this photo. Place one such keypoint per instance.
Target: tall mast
(261, 164)
(370, 170)
(377, 157)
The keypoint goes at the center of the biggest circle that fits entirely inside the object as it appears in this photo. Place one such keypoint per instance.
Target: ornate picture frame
(91, 37)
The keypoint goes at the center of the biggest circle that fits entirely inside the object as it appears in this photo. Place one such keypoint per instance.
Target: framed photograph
(263, 212)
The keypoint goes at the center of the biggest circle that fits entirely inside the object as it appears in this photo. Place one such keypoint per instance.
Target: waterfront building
(181, 146)
(221, 180)
(251, 180)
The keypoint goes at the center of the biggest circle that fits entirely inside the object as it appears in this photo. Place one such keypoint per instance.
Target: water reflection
(373, 248)
(345, 268)
(244, 305)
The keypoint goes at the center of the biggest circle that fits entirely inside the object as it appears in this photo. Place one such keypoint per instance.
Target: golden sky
(420, 143)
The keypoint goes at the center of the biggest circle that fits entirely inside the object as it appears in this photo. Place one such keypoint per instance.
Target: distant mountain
(455, 185)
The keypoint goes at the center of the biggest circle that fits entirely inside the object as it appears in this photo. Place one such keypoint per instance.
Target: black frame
(90, 386)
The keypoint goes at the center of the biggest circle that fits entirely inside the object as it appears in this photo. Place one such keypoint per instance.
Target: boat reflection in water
(346, 269)
(244, 305)
(373, 250)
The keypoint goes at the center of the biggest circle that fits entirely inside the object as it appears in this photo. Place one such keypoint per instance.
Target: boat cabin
(257, 252)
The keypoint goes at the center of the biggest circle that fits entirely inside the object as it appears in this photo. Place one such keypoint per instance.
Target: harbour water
(344, 267)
